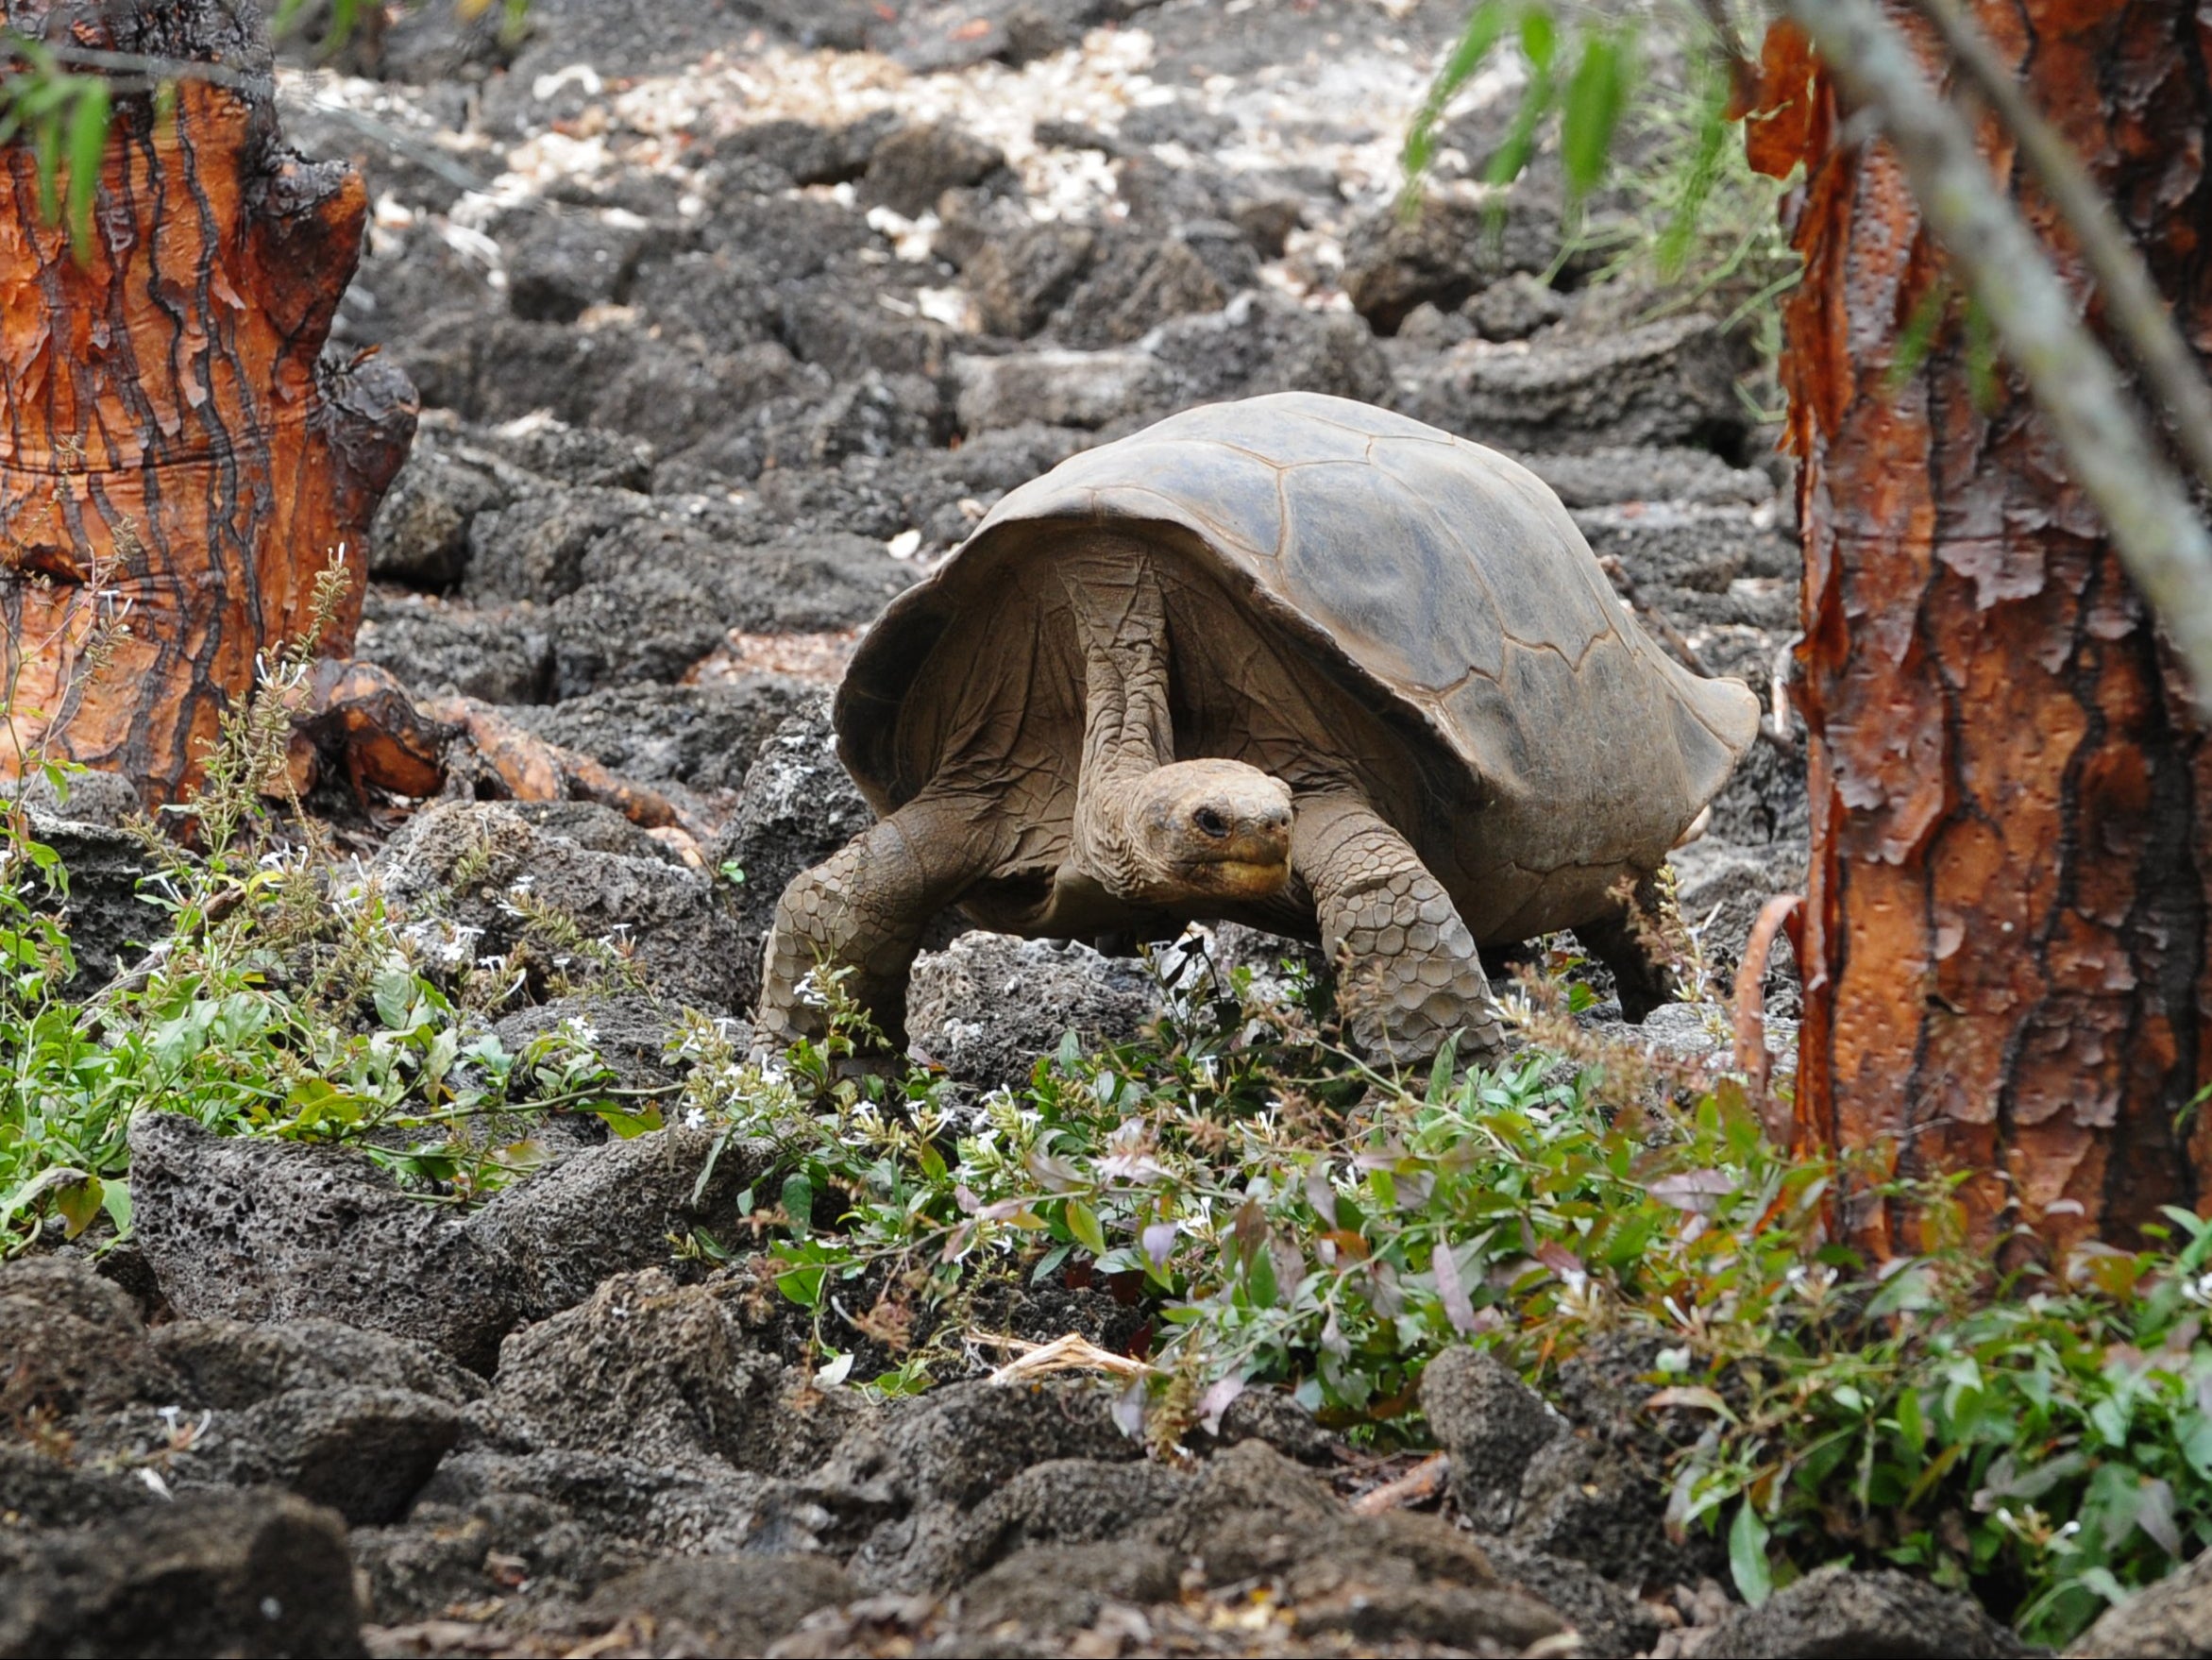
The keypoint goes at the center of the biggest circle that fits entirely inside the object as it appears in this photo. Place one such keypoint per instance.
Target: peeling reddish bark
(2005, 954)
(166, 425)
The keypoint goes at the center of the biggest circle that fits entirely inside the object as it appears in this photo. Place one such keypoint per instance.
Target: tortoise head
(1206, 831)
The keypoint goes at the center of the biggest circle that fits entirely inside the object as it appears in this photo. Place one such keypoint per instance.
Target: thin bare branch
(2162, 542)
(2134, 304)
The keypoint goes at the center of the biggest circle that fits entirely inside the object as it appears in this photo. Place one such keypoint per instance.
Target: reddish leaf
(1560, 1259)
(1459, 1307)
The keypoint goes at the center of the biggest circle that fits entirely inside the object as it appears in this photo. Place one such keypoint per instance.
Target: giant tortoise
(1294, 662)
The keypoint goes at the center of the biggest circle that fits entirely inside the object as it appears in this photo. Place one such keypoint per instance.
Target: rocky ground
(729, 317)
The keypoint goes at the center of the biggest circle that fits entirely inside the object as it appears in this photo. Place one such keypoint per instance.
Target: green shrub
(1294, 1217)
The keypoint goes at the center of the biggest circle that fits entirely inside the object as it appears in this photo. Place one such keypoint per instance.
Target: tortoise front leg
(866, 908)
(1413, 976)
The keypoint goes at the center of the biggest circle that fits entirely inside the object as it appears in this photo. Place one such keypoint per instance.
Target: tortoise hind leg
(1629, 941)
(1414, 975)
(866, 909)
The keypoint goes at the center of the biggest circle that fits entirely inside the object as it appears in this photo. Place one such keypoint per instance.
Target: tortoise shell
(1432, 585)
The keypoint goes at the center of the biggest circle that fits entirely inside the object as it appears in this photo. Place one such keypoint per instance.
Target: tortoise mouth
(1242, 878)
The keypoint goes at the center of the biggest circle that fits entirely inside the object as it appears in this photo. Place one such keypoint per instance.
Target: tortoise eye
(1212, 822)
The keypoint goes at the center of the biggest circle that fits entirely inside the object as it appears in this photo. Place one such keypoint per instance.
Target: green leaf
(804, 1286)
(1910, 1424)
(627, 1126)
(88, 148)
(1440, 1075)
(798, 1198)
(1591, 114)
(1485, 24)
(1539, 36)
(1083, 1223)
(116, 1201)
(79, 1202)
(1507, 162)
(394, 991)
(1747, 1555)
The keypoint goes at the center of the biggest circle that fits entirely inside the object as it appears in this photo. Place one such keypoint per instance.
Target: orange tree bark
(167, 430)
(2005, 933)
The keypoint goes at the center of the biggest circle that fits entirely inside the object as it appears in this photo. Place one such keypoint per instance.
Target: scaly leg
(866, 908)
(1627, 942)
(1413, 976)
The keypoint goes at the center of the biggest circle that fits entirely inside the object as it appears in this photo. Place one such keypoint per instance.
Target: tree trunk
(168, 435)
(2006, 931)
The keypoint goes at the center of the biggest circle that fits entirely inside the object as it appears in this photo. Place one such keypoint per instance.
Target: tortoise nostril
(1210, 822)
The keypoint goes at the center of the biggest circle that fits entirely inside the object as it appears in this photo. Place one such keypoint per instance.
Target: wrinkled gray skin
(1294, 662)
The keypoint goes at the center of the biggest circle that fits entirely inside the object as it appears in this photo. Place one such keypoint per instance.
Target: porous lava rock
(1884, 1613)
(210, 1573)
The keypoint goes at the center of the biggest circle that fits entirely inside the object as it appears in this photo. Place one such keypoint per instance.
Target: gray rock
(797, 807)
(1680, 553)
(610, 1209)
(534, 548)
(990, 1005)
(1398, 1577)
(75, 1343)
(1139, 282)
(108, 801)
(803, 153)
(1054, 388)
(2170, 1620)
(628, 1511)
(1836, 1612)
(959, 1444)
(1064, 1587)
(1593, 1503)
(1610, 1618)
(420, 534)
(449, 1552)
(583, 457)
(1427, 330)
(1276, 1417)
(108, 923)
(560, 264)
(1454, 247)
(265, 1231)
(213, 1573)
(499, 655)
(629, 1034)
(875, 415)
(605, 916)
(594, 825)
(642, 1368)
(1670, 383)
(1260, 343)
(706, 737)
(1490, 1425)
(1764, 800)
(364, 1452)
(1610, 475)
(38, 1490)
(1514, 307)
(1722, 889)
(1020, 279)
(262, 1231)
(231, 1364)
(1055, 1503)
(721, 1605)
(909, 170)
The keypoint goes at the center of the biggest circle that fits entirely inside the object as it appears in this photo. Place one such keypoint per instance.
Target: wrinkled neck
(1121, 628)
